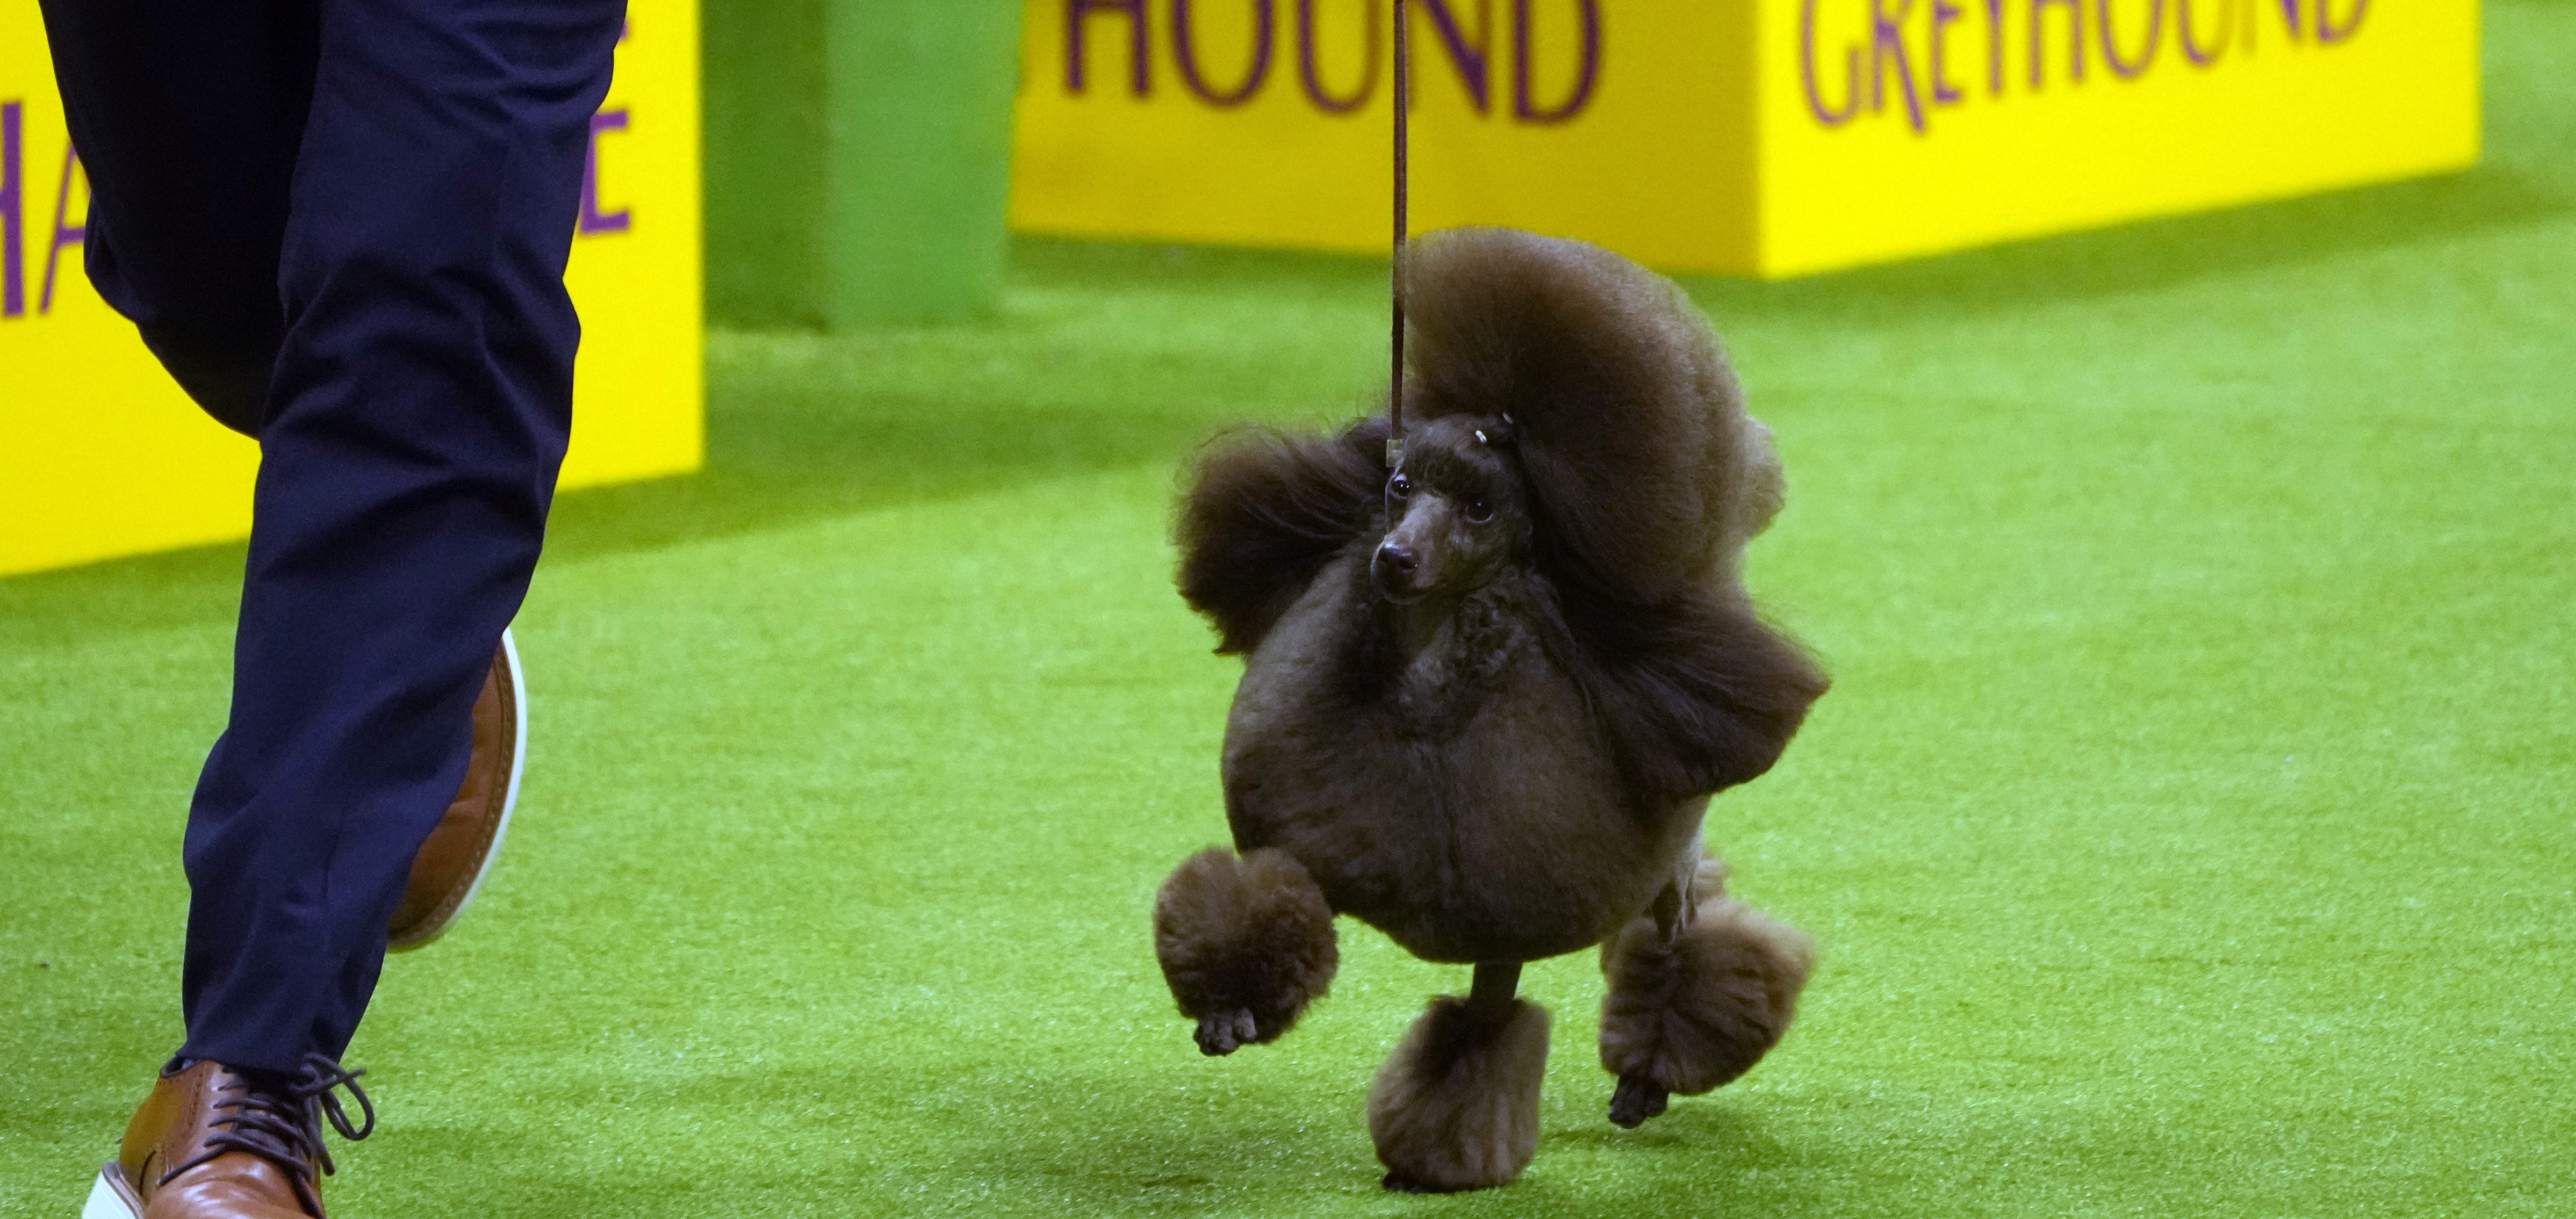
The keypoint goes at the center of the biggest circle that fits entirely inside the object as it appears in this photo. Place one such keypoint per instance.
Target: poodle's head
(1643, 474)
(1457, 511)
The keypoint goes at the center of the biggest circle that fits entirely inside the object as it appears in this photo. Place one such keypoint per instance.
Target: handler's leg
(419, 409)
(188, 115)
(415, 411)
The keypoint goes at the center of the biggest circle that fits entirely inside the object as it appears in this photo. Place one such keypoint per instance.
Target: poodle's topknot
(1648, 475)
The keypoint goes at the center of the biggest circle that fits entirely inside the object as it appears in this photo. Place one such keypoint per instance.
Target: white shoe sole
(509, 796)
(110, 1197)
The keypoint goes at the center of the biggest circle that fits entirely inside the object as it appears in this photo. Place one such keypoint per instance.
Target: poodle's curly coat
(1485, 700)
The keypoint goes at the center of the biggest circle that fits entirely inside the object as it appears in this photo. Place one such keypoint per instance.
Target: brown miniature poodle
(1486, 699)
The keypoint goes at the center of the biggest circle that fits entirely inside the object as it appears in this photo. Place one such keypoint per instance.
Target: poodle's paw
(1637, 1099)
(1690, 1015)
(1222, 1033)
(1246, 944)
(1456, 1108)
(1397, 1183)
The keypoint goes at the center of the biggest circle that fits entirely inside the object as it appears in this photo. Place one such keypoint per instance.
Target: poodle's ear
(1262, 514)
(1697, 695)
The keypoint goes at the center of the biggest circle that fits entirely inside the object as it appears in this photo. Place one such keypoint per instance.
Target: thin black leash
(1403, 104)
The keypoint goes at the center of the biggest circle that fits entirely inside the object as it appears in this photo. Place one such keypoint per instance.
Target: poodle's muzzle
(1396, 572)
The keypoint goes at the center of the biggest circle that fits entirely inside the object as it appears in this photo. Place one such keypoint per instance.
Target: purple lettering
(1807, 72)
(2254, 20)
(1525, 109)
(1995, 47)
(65, 234)
(1470, 60)
(2289, 19)
(2127, 69)
(1313, 75)
(592, 221)
(2075, 38)
(1943, 14)
(1139, 82)
(13, 213)
(2328, 33)
(2199, 56)
(1887, 38)
(1186, 55)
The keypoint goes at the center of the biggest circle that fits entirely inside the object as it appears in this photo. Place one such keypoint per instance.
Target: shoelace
(285, 1127)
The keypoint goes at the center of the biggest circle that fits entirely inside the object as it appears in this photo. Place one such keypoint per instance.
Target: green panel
(858, 159)
(920, 161)
(765, 122)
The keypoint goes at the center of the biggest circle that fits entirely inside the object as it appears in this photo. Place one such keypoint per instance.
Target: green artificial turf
(2189, 832)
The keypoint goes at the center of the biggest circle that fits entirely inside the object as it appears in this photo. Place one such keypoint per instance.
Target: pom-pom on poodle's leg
(1701, 987)
(1457, 1106)
(1245, 944)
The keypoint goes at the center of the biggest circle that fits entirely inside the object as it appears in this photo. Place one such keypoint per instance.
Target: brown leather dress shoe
(212, 1143)
(452, 863)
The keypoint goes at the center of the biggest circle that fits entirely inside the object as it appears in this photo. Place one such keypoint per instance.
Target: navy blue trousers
(342, 226)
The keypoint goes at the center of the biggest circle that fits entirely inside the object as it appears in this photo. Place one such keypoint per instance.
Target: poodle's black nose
(1398, 560)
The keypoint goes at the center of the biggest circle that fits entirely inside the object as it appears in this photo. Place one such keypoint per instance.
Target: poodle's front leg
(1456, 1107)
(1245, 944)
(1701, 987)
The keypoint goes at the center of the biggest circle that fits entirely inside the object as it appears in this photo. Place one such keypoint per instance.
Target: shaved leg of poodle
(1456, 1107)
(1696, 997)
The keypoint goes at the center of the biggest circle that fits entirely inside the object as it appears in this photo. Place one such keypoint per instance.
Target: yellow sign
(101, 455)
(1758, 137)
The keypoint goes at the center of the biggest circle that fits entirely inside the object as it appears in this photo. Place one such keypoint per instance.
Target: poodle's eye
(1479, 511)
(1400, 487)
